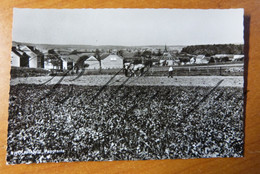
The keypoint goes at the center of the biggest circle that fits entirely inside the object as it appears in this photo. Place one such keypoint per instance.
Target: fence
(230, 70)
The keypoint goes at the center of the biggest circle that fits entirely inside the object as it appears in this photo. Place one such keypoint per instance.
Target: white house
(112, 62)
(19, 58)
(68, 60)
(170, 62)
(92, 62)
(238, 58)
(201, 59)
(15, 59)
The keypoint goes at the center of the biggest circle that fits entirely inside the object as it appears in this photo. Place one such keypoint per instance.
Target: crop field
(188, 70)
(117, 80)
(66, 122)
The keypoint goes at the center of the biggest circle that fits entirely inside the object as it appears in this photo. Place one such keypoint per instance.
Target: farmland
(67, 122)
(101, 80)
(227, 69)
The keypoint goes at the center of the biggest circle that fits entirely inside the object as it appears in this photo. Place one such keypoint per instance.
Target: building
(238, 58)
(26, 56)
(15, 58)
(223, 57)
(19, 58)
(68, 61)
(200, 59)
(33, 58)
(92, 62)
(39, 55)
(111, 62)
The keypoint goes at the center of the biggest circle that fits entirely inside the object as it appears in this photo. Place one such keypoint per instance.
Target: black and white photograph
(126, 84)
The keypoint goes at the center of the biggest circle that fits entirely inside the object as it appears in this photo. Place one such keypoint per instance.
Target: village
(27, 60)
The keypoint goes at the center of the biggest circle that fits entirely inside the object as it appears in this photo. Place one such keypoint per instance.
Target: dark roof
(36, 51)
(85, 54)
(16, 52)
(103, 56)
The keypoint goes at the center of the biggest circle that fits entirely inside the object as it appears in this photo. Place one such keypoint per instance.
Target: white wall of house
(112, 62)
(92, 62)
(33, 62)
(65, 64)
(201, 61)
(238, 57)
(48, 65)
(15, 60)
(161, 62)
(169, 62)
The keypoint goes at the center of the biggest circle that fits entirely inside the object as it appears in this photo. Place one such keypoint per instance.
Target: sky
(128, 27)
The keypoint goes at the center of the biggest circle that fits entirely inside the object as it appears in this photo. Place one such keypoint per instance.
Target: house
(33, 58)
(76, 59)
(40, 56)
(167, 59)
(184, 58)
(92, 62)
(238, 58)
(111, 62)
(69, 61)
(19, 58)
(15, 58)
(200, 59)
(223, 57)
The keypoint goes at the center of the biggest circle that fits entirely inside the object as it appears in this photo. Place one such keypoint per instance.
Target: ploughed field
(53, 123)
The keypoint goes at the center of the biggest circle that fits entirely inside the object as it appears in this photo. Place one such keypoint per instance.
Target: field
(227, 69)
(68, 122)
(101, 80)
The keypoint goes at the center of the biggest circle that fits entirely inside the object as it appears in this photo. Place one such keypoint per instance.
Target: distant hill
(214, 49)
(118, 47)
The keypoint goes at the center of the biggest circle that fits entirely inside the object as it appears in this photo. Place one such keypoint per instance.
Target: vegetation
(128, 123)
(98, 57)
(214, 49)
(54, 58)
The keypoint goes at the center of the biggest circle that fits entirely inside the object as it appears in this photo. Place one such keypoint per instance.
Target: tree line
(214, 49)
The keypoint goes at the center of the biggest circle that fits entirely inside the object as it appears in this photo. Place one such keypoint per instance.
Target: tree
(147, 54)
(54, 58)
(159, 53)
(138, 53)
(120, 53)
(98, 57)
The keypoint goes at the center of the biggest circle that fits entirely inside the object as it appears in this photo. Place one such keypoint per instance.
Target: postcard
(126, 84)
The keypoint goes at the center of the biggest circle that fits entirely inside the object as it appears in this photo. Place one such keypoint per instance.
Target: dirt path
(93, 80)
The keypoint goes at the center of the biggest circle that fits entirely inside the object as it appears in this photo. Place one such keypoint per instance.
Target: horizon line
(125, 45)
